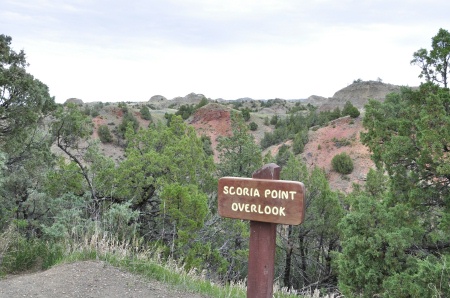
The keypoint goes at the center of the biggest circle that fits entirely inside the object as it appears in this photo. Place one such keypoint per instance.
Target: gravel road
(86, 279)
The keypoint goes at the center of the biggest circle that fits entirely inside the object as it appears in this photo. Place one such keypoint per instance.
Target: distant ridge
(357, 93)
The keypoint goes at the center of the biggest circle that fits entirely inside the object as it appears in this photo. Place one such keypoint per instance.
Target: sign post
(265, 201)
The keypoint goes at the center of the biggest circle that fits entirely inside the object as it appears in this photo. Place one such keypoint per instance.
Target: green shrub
(253, 126)
(145, 113)
(203, 102)
(94, 113)
(87, 110)
(104, 134)
(351, 110)
(246, 114)
(33, 254)
(185, 111)
(237, 105)
(342, 163)
(300, 140)
(207, 144)
(123, 106)
(283, 155)
(128, 119)
(274, 120)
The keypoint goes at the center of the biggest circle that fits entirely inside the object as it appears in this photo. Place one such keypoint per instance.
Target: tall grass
(18, 254)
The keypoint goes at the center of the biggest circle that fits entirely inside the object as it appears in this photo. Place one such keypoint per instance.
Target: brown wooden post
(265, 203)
(261, 259)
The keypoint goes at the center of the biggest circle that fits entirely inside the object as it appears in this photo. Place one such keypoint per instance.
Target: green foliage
(168, 117)
(268, 103)
(160, 156)
(185, 111)
(342, 163)
(25, 156)
(70, 126)
(376, 183)
(167, 175)
(207, 145)
(308, 250)
(295, 126)
(93, 111)
(238, 154)
(145, 113)
(396, 237)
(184, 209)
(104, 134)
(24, 100)
(350, 110)
(246, 114)
(300, 140)
(374, 241)
(335, 114)
(435, 64)
(203, 102)
(298, 107)
(409, 135)
(285, 129)
(87, 110)
(237, 104)
(283, 155)
(23, 254)
(121, 221)
(5, 214)
(123, 106)
(341, 142)
(274, 120)
(128, 120)
(253, 126)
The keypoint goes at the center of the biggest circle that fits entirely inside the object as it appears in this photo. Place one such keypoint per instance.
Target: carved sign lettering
(275, 201)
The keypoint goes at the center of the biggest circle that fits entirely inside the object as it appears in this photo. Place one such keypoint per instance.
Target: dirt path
(86, 279)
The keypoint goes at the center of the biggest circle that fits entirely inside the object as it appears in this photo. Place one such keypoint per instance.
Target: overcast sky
(113, 50)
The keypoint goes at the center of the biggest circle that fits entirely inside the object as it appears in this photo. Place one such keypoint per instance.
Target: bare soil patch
(87, 279)
(341, 135)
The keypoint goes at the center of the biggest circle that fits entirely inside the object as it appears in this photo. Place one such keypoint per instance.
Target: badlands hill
(213, 120)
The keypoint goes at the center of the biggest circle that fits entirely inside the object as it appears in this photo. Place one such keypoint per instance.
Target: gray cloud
(199, 23)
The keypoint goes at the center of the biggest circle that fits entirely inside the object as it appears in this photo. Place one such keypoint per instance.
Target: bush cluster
(342, 163)
(104, 134)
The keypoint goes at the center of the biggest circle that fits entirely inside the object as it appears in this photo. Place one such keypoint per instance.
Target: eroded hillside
(213, 120)
(341, 135)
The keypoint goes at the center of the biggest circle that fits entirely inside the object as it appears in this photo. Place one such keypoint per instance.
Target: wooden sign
(274, 201)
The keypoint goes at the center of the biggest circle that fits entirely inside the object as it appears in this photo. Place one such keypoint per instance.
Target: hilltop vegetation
(144, 175)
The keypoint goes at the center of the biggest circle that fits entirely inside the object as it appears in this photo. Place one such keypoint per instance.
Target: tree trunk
(288, 261)
(303, 259)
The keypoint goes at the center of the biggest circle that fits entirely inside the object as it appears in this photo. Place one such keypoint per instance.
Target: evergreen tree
(104, 134)
(396, 237)
(145, 113)
(25, 154)
(350, 110)
(435, 64)
(246, 114)
(342, 163)
(128, 119)
(309, 248)
(71, 130)
(158, 156)
(238, 154)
